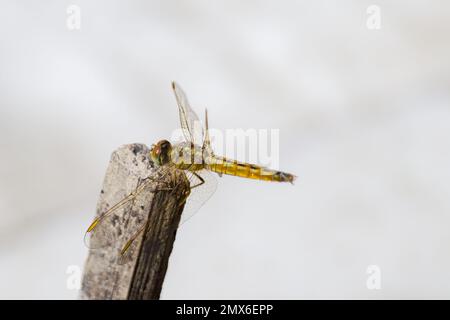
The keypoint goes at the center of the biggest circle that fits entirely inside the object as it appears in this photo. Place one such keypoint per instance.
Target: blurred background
(360, 94)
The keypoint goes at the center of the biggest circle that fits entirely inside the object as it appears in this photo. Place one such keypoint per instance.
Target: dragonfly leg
(199, 177)
(202, 181)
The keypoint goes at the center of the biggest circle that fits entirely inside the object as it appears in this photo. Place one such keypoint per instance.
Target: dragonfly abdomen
(231, 167)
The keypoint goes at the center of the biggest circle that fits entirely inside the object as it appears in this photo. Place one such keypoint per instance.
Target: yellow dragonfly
(195, 157)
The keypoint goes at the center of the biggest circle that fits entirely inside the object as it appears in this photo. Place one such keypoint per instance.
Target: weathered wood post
(142, 275)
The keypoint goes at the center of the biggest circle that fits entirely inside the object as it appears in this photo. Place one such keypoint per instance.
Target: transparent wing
(190, 122)
(199, 195)
(130, 248)
(207, 140)
(116, 229)
(115, 224)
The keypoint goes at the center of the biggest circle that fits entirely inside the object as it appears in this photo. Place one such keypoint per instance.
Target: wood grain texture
(141, 274)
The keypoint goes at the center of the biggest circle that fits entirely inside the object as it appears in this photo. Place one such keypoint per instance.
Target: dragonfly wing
(115, 227)
(199, 195)
(130, 248)
(207, 140)
(190, 122)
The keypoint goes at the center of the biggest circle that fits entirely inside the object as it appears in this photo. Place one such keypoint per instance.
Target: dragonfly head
(160, 152)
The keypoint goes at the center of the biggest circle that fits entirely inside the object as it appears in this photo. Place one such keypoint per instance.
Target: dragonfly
(196, 158)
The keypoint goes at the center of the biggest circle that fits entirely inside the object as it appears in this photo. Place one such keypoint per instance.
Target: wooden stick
(139, 274)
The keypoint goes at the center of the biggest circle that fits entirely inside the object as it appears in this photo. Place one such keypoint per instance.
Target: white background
(364, 123)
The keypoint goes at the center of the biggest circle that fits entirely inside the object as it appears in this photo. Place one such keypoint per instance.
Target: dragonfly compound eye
(160, 153)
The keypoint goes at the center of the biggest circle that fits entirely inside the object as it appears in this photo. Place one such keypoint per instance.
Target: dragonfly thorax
(188, 156)
(184, 155)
